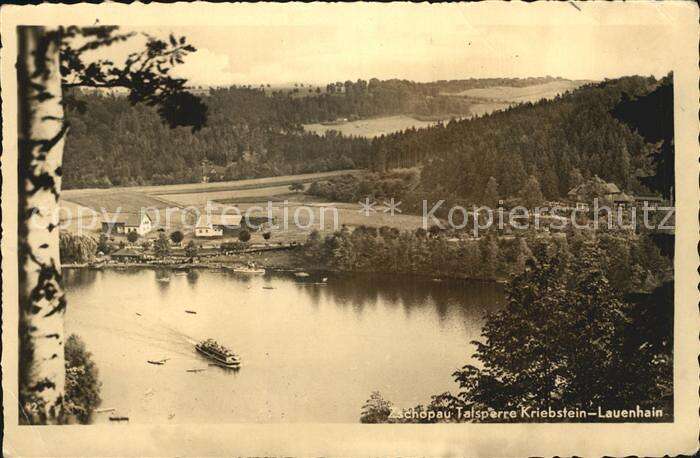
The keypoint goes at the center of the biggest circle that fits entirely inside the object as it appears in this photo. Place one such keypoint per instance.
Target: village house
(123, 223)
(583, 194)
(209, 226)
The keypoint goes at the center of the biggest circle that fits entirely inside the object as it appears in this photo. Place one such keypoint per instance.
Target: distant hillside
(519, 94)
(559, 142)
(253, 131)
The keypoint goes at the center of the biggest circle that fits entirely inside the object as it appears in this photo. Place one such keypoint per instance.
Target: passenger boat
(247, 270)
(218, 353)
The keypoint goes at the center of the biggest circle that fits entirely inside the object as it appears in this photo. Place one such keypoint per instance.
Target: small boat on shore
(116, 418)
(216, 352)
(159, 362)
(192, 312)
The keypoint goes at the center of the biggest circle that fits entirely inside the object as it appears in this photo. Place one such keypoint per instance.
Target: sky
(443, 44)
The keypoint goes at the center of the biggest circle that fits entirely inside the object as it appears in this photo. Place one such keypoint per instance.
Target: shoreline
(291, 267)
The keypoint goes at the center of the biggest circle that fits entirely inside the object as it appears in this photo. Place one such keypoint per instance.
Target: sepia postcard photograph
(350, 229)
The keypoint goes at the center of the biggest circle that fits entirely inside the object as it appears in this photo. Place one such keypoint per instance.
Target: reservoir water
(310, 352)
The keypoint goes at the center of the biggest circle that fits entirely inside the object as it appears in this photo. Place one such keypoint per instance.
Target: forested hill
(256, 132)
(248, 135)
(558, 142)
(252, 132)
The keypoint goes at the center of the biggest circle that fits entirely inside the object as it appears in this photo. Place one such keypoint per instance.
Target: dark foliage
(145, 74)
(651, 115)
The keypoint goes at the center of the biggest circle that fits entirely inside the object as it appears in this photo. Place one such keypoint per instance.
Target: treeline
(364, 99)
(353, 188)
(558, 141)
(629, 264)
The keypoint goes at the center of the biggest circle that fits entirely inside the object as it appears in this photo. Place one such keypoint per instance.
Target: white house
(123, 223)
(217, 225)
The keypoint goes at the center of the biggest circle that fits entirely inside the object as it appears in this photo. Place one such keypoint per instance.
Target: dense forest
(248, 135)
(251, 132)
(558, 141)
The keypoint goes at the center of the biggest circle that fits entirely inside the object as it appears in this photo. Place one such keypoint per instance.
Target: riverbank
(291, 260)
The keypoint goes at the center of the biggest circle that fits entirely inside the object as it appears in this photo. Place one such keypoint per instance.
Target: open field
(87, 206)
(125, 201)
(508, 94)
(201, 198)
(83, 211)
(370, 128)
(485, 101)
(252, 183)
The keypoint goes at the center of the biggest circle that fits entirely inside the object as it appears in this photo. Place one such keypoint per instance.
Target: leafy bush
(244, 235)
(176, 237)
(376, 409)
(82, 381)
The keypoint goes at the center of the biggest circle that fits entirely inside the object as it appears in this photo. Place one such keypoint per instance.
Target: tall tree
(48, 62)
(490, 197)
(531, 193)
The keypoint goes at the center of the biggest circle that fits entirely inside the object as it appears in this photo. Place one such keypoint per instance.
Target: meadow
(372, 127)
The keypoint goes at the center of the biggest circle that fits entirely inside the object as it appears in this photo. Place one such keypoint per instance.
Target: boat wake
(143, 328)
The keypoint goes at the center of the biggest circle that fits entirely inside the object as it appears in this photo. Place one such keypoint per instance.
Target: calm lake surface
(310, 353)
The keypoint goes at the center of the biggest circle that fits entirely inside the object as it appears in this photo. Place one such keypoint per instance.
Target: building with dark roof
(123, 223)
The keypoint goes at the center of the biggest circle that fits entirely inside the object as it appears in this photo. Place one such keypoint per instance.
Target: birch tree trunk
(42, 304)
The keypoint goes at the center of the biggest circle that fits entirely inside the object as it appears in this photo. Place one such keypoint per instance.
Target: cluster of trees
(629, 264)
(558, 142)
(567, 338)
(352, 188)
(76, 248)
(83, 386)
